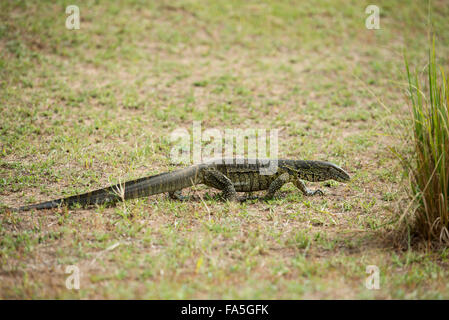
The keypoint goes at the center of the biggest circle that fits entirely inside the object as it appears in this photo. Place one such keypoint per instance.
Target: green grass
(429, 163)
(81, 109)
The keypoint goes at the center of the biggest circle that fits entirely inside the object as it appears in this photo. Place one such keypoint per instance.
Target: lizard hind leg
(302, 186)
(218, 180)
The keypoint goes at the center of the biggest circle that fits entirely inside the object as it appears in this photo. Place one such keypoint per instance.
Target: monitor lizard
(227, 175)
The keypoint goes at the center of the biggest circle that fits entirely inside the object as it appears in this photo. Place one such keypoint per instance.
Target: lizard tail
(160, 183)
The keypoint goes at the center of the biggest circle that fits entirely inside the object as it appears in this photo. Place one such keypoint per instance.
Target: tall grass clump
(428, 163)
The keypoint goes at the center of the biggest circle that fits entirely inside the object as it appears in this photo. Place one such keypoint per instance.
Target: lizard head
(320, 171)
(338, 174)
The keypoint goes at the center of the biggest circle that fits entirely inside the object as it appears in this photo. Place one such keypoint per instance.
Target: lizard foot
(270, 197)
(316, 192)
(246, 198)
(177, 195)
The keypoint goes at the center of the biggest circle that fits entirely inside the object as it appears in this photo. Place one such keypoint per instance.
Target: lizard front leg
(218, 180)
(302, 186)
(277, 184)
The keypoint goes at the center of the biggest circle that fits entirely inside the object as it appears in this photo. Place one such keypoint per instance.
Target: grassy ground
(82, 108)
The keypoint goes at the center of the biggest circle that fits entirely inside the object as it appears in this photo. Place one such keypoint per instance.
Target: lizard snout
(344, 177)
(340, 175)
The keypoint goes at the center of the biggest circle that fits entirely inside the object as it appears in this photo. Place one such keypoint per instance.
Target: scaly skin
(225, 175)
